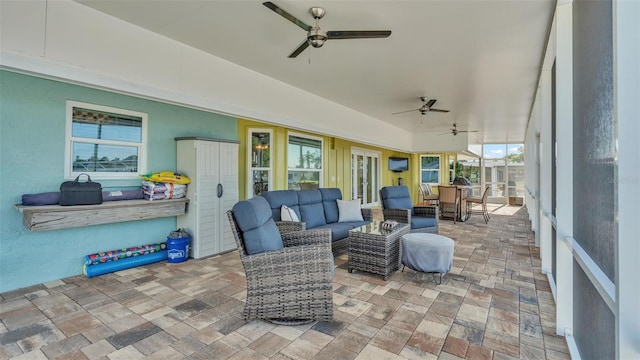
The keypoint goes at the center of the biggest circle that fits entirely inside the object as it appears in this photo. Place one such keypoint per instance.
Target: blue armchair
(397, 205)
(289, 275)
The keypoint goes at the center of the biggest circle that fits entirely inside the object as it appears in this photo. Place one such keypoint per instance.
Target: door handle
(220, 190)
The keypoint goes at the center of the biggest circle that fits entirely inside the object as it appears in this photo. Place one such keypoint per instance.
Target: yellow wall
(336, 161)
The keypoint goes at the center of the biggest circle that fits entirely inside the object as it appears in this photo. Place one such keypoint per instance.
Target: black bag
(80, 193)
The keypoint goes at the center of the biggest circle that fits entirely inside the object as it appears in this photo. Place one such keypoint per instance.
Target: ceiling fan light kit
(316, 37)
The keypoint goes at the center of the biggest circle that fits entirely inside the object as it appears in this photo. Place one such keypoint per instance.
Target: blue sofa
(316, 209)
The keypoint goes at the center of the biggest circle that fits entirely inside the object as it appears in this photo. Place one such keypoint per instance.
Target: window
(106, 143)
(430, 169)
(259, 161)
(304, 163)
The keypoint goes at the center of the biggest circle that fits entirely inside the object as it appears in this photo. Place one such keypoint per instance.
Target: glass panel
(302, 180)
(430, 162)
(360, 176)
(260, 181)
(304, 153)
(594, 136)
(93, 124)
(470, 170)
(369, 177)
(452, 170)
(260, 155)
(104, 158)
(374, 180)
(430, 177)
(595, 324)
(515, 162)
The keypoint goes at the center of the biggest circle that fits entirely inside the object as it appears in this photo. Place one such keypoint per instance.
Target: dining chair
(449, 200)
(428, 197)
(480, 201)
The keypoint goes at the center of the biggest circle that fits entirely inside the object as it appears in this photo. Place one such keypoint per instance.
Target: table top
(375, 228)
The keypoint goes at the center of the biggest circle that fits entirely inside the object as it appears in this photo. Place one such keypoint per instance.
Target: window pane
(430, 177)
(301, 180)
(430, 162)
(104, 158)
(304, 153)
(260, 181)
(260, 149)
(107, 126)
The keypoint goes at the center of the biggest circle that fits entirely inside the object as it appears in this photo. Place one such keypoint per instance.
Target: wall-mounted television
(397, 164)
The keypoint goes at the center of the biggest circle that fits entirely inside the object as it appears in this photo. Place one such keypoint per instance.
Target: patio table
(374, 249)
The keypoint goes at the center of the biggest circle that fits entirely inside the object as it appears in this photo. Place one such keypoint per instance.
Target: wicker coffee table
(374, 249)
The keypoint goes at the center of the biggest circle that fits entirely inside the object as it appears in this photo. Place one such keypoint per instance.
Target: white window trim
(439, 168)
(321, 170)
(69, 174)
(250, 160)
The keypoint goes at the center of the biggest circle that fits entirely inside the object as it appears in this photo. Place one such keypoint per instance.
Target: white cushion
(287, 214)
(349, 210)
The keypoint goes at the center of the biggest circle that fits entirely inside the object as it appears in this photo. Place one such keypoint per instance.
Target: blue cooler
(178, 246)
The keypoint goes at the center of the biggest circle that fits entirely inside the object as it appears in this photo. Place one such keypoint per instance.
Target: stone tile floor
(494, 304)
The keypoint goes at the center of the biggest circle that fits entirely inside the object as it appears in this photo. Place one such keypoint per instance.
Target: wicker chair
(396, 205)
(480, 201)
(290, 285)
(449, 200)
(428, 197)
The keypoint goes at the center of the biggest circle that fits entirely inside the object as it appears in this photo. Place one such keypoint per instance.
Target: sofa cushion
(339, 231)
(419, 222)
(396, 197)
(311, 210)
(349, 210)
(277, 198)
(329, 197)
(258, 229)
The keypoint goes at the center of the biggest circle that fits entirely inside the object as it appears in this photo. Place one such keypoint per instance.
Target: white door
(365, 176)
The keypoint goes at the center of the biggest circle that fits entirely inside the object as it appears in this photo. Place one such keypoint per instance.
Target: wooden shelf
(52, 217)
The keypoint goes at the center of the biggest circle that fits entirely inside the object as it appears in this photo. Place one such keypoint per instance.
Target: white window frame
(439, 168)
(321, 170)
(250, 167)
(70, 139)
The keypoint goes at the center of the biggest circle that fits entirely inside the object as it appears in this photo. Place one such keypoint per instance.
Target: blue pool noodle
(122, 264)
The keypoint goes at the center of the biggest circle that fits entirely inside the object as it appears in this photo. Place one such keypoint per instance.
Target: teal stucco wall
(32, 136)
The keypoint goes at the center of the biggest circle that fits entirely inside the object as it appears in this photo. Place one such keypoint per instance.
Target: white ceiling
(479, 59)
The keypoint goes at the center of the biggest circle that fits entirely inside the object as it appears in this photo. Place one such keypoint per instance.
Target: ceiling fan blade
(402, 112)
(358, 34)
(467, 131)
(431, 102)
(439, 110)
(300, 49)
(287, 16)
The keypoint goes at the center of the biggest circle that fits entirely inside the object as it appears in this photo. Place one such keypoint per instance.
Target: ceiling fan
(425, 108)
(316, 36)
(454, 130)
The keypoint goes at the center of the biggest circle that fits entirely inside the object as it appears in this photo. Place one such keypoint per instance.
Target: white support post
(626, 57)
(564, 173)
(546, 152)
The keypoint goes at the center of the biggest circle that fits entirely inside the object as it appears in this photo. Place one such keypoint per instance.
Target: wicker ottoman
(429, 253)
